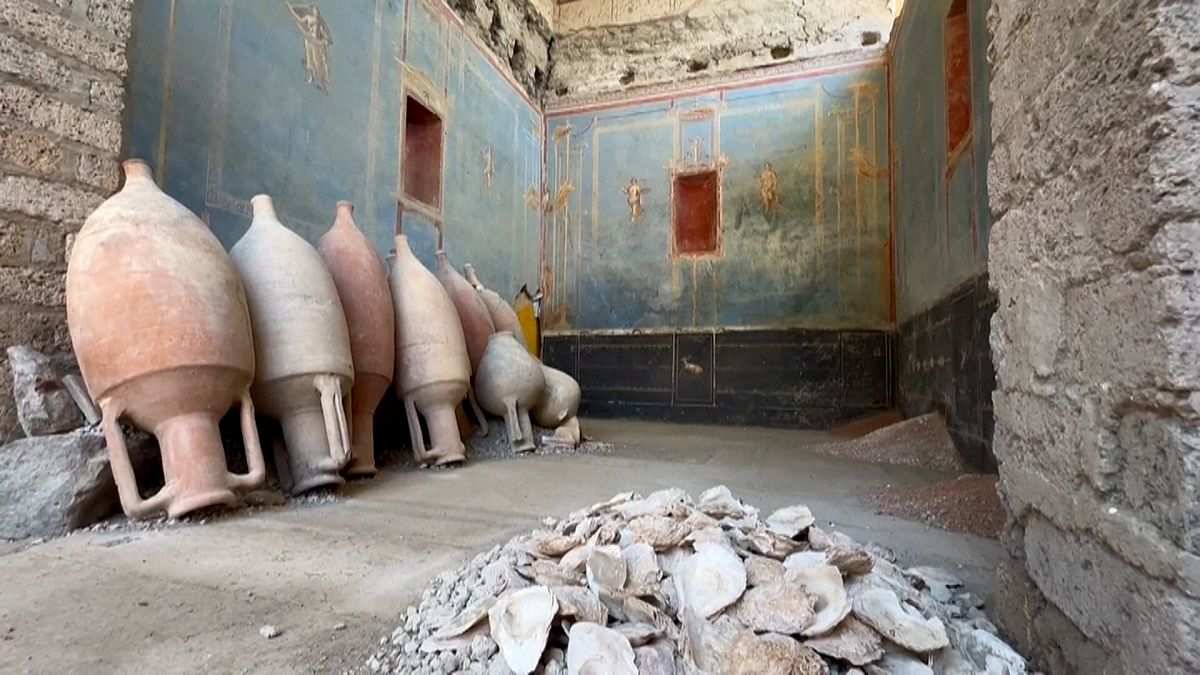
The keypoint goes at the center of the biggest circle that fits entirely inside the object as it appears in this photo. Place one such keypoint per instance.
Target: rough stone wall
(518, 32)
(62, 70)
(1094, 254)
(712, 37)
(578, 14)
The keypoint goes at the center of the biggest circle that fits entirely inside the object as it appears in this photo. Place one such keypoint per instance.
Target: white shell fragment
(898, 662)
(710, 580)
(764, 542)
(576, 558)
(761, 571)
(594, 649)
(881, 609)
(638, 634)
(520, 623)
(659, 532)
(791, 521)
(832, 605)
(770, 654)
(643, 571)
(581, 604)
(781, 607)
(850, 560)
(662, 585)
(719, 502)
(552, 544)
(804, 559)
(606, 569)
(656, 658)
(851, 641)
(464, 620)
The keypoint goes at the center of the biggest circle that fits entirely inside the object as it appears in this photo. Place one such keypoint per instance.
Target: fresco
(305, 101)
(940, 152)
(804, 238)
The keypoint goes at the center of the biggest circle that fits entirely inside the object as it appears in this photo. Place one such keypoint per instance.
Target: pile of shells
(666, 584)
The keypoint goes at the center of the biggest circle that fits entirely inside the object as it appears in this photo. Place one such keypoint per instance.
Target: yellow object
(527, 316)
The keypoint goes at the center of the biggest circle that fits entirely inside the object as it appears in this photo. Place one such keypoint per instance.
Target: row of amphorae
(171, 332)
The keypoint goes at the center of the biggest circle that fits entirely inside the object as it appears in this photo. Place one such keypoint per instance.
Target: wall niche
(422, 158)
(697, 213)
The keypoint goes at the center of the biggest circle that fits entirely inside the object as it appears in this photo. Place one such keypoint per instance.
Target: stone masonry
(62, 71)
(1094, 255)
(713, 37)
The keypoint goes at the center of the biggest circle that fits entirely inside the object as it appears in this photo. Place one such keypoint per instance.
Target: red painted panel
(958, 76)
(422, 160)
(697, 212)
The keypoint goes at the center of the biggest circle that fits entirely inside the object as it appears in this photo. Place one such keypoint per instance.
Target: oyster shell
(710, 580)
(882, 610)
(791, 521)
(520, 624)
(594, 649)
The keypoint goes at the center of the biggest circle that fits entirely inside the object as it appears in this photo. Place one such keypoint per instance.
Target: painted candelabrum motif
(489, 167)
(317, 40)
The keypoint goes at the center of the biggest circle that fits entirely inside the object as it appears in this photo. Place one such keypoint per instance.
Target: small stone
(44, 405)
(269, 632)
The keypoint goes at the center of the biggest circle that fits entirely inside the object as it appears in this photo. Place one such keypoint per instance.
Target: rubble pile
(665, 584)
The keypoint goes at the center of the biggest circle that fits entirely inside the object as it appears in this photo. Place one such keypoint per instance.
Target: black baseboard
(810, 379)
(945, 365)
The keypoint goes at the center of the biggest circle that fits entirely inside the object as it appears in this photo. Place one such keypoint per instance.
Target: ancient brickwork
(62, 71)
(705, 38)
(1094, 254)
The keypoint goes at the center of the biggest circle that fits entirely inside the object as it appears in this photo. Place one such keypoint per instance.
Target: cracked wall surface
(1094, 254)
(518, 32)
(62, 72)
(708, 38)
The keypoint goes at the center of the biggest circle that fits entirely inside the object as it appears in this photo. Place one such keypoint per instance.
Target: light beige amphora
(509, 383)
(559, 405)
(504, 317)
(362, 286)
(158, 320)
(302, 346)
(433, 368)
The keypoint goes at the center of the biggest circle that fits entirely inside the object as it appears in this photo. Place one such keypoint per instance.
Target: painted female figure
(317, 40)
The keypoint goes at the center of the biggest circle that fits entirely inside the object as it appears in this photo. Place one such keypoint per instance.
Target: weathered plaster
(1092, 254)
(518, 32)
(706, 38)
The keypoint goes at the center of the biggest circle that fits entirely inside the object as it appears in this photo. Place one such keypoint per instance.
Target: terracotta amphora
(509, 383)
(158, 320)
(502, 313)
(559, 401)
(472, 311)
(433, 369)
(302, 346)
(362, 286)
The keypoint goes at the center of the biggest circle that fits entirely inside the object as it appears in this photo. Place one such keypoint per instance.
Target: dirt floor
(334, 575)
(969, 503)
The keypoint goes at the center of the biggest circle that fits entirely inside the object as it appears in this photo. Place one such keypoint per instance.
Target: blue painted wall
(223, 107)
(942, 216)
(819, 259)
